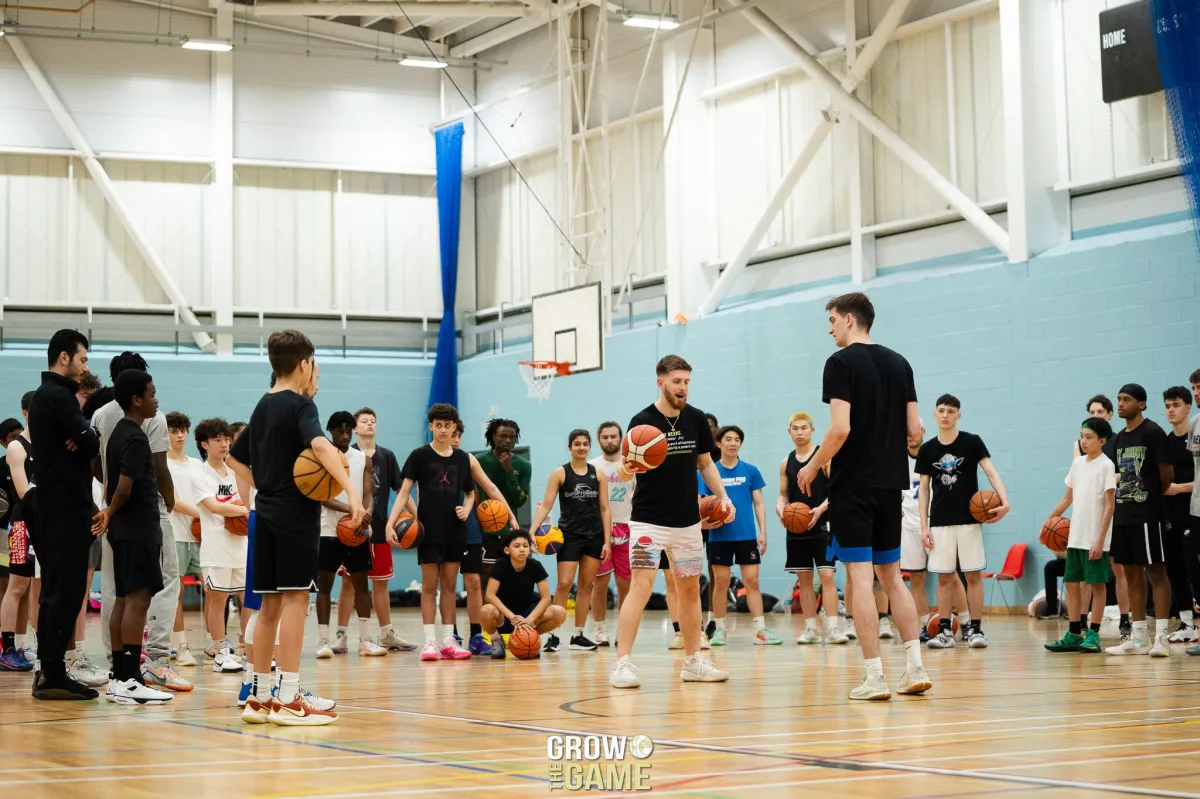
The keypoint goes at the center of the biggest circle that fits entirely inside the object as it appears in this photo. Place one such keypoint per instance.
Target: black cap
(1134, 390)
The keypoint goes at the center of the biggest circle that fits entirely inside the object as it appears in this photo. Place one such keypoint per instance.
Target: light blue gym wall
(1023, 346)
(206, 386)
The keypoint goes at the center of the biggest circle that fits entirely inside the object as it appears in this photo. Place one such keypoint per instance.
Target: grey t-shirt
(1193, 444)
(105, 419)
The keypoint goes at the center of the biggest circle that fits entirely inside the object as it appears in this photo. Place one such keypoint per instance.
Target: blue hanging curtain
(1177, 40)
(449, 193)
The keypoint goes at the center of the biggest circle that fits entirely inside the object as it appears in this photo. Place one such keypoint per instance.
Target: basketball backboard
(568, 327)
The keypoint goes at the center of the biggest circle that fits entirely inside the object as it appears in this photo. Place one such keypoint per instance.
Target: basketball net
(539, 376)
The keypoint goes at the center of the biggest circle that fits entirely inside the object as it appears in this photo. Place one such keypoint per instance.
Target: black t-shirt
(518, 589)
(1139, 488)
(385, 471)
(817, 492)
(440, 482)
(579, 503)
(953, 471)
(666, 496)
(1178, 506)
(878, 384)
(128, 455)
(283, 425)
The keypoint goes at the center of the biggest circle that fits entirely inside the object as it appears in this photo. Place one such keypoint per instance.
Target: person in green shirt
(511, 474)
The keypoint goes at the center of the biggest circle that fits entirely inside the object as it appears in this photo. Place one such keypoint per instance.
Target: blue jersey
(740, 484)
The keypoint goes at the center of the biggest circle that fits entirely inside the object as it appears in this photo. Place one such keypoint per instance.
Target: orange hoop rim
(561, 368)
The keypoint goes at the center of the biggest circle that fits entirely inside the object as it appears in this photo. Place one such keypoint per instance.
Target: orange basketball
(312, 479)
(524, 643)
(710, 509)
(982, 503)
(797, 517)
(493, 516)
(196, 529)
(1055, 533)
(645, 447)
(238, 525)
(410, 531)
(350, 535)
(935, 624)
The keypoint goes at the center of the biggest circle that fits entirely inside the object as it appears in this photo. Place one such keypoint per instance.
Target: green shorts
(1080, 569)
(188, 553)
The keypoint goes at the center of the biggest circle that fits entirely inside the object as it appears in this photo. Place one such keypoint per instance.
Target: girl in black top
(586, 527)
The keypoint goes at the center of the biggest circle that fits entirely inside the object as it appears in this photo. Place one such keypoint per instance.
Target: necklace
(669, 422)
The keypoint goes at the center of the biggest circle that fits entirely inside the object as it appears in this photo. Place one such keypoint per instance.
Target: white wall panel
(32, 203)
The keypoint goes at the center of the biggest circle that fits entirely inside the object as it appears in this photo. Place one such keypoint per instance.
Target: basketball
(493, 516)
(350, 535)
(935, 622)
(237, 525)
(548, 540)
(196, 529)
(524, 643)
(1055, 533)
(409, 531)
(982, 502)
(710, 509)
(645, 446)
(312, 479)
(797, 517)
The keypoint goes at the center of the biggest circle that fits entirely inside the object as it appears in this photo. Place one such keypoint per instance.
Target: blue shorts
(250, 600)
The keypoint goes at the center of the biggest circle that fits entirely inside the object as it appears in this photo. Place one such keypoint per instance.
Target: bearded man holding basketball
(872, 414)
(666, 518)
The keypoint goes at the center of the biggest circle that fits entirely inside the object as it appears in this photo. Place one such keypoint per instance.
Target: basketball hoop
(539, 376)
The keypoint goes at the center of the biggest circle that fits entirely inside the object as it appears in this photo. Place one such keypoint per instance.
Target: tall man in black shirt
(872, 414)
(62, 450)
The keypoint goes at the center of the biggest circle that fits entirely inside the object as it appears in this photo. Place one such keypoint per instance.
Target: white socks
(831, 623)
(1139, 630)
(964, 618)
(720, 624)
(365, 630)
(1160, 627)
(874, 668)
(760, 623)
(385, 630)
(323, 632)
(262, 686)
(1185, 616)
(341, 631)
(430, 633)
(913, 650)
(289, 686)
(811, 623)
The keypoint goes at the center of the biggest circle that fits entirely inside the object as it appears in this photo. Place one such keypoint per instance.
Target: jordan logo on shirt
(445, 479)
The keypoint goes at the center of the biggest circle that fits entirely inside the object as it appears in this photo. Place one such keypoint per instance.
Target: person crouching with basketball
(510, 594)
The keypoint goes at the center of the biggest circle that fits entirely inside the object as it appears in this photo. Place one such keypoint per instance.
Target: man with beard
(620, 505)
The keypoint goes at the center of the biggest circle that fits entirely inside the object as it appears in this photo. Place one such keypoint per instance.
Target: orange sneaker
(299, 713)
(258, 712)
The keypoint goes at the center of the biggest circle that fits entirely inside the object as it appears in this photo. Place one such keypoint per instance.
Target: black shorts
(507, 627)
(576, 547)
(333, 554)
(805, 553)
(493, 548)
(444, 548)
(472, 559)
(865, 524)
(137, 565)
(284, 561)
(1138, 544)
(664, 563)
(727, 553)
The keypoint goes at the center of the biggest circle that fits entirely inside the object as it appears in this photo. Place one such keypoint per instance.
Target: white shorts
(684, 547)
(914, 557)
(219, 578)
(959, 546)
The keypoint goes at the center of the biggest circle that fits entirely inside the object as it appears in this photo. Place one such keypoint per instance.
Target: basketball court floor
(1011, 719)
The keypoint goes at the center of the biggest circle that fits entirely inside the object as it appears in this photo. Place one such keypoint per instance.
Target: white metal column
(862, 162)
(221, 254)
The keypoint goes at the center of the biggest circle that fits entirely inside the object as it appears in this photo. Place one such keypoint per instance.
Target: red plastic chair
(1014, 569)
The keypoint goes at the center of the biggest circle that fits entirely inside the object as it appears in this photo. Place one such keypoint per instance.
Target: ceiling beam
(386, 9)
(510, 31)
(444, 29)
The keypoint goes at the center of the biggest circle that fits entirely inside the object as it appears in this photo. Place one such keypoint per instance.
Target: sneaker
(257, 711)
(1194, 649)
(369, 649)
(943, 640)
(1068, 643)
(454, 652)
(299, 713)
(324, 650)
(1184, 634)
(697, 669)
(340, 643)
(210, 653)
(394, 643)
(552, 643)
(601, 638)
(809, 637)
(914, 682)
(924, 636)
(244, 693)
(132, 692)
(582, 643)
(710, 627)
(478, 646)
(965, 631)
(158, 674)
(765, 637)
(718, 637)
(61, 688)
(977, 640)
(226, 662)
(1125, 630)
(851, 633)
(875, 690)
(677, 642)
(704, 642)
(430, 652)
(885, 628)
(318, 702)
(110, 691)
(184, 656)
(13, 660)
(498, 647)
(837, 636)
(1091, 641)
(29, 653)
(624, 674)
(1130, 646)
(1160, 648)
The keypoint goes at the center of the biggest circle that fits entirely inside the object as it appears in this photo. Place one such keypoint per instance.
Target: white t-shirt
(219, 548)
(1193, 444)
(1088, 482)
(620, 492)
(105, 420)
(329, 518)
(910, 504)
(183, 475)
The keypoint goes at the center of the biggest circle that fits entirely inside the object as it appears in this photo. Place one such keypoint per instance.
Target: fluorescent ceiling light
(666, 22)
(421, 61)
(212, 45)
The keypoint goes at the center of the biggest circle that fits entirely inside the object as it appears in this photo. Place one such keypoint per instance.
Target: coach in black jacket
(63, 446)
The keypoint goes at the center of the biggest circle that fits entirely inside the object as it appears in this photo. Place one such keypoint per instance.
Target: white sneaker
(324, 650)
(977, 640)
(676, 642)
(226, 662)
(82, 670)
(624, 674)
(697, 669)
(704, 642)
(943, 640)
(851, 633)
(369, 649)
(184, 656)
(809, 637)
(837, 636)
(885, 628)
(340, 644)
(394, 643)
(132, 692)
(600, 638)
(1184, 634)
(1160, 649)
(110, 694)
(872, 690)
(1130, 647)
(318, 702)
(915, 681)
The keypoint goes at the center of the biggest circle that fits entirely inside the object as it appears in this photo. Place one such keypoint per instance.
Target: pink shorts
(618, 559)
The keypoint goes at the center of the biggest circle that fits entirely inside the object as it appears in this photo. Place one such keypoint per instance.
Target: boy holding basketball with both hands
(510, 594)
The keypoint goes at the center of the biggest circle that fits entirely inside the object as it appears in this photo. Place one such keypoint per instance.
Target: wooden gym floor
(1011, 719)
